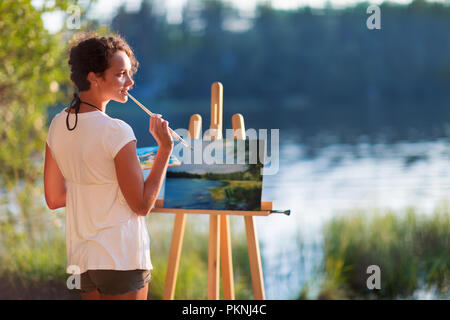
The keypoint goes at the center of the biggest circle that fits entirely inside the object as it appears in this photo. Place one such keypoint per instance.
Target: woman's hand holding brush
(159, 128)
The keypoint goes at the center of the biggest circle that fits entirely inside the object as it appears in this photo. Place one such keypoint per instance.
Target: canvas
(232, 181)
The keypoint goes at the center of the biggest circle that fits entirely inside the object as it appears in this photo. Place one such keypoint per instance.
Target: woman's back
(102, 232)
(86, 154)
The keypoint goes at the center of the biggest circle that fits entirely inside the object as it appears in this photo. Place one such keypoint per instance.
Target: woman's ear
(92, 78)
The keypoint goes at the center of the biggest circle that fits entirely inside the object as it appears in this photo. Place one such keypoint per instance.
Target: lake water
(337, 179)
(189, 193)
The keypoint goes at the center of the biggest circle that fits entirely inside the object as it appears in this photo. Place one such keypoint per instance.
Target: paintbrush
(173, 133)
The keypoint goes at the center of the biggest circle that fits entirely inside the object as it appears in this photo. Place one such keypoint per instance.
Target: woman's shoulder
(119, 123)
(119, 127)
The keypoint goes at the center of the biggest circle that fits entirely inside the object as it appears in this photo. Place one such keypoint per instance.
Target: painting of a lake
(212, 186)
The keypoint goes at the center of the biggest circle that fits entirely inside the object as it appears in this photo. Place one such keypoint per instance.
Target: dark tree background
(316, 68)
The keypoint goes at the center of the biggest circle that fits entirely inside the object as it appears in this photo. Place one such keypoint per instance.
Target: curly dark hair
(90, 52)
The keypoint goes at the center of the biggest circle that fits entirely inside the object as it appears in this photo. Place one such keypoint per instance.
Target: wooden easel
(219, 225)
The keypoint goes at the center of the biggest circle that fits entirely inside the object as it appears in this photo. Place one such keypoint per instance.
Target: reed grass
(411, 249)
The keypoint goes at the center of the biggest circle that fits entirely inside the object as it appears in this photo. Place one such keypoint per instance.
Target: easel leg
(214, 257)
(174, 256)
(255, 259)
(226, 258)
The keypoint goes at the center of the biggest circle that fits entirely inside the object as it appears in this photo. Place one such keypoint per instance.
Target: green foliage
(34, 262)
(34, 75)
(32, 71)
(32, 245)
(411, 251)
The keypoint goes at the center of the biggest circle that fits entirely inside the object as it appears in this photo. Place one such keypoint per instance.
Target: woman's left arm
(54, 182)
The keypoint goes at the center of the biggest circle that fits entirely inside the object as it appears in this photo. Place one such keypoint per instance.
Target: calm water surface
(338, 179)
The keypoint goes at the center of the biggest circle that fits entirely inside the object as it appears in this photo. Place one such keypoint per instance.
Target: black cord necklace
(78, 102)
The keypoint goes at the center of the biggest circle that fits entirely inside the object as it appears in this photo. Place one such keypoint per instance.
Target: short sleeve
(117, 135)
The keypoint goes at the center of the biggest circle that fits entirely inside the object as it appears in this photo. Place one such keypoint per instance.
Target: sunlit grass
(411, 250)
(218, 193)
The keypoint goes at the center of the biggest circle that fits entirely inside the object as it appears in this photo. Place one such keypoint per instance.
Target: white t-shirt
(102, 232)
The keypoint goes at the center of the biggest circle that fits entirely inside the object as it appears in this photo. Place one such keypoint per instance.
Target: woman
(92, 169)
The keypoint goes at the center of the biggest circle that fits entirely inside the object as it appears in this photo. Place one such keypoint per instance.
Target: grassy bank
(239, 193)
(412, 251)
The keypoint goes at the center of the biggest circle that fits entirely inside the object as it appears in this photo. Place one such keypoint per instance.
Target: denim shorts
(114, 281)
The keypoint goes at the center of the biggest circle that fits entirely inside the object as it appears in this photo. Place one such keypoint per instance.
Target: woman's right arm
(141, 195)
